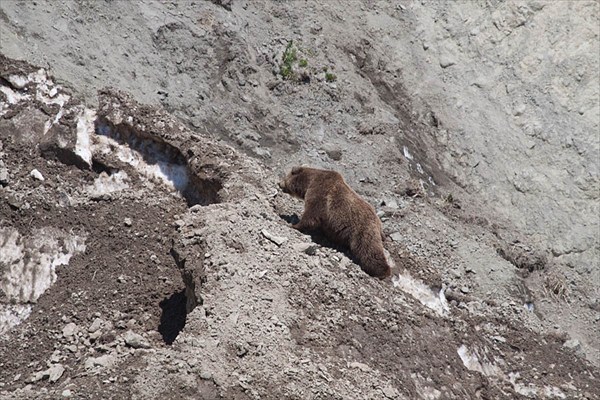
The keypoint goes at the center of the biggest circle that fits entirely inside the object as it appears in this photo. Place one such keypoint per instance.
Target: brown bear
(332, 207)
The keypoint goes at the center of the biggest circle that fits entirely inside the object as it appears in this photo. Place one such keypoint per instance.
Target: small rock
(446, 61)
(390, 392)
(391, 203)
(4, 177)
(359, 365)
(499, 338)
(425, 45)
(96, 325)
(334, 154)
(70, 329)
(15, 201)
(95, 335)
(37, 376)
(259, 151)
(205, 375)
(127, 221)
(36, 175)
(572, 344)
(55, 372)
(396, 237)
(103, 361)
(135, 340)
(55, 357)
(72, 348)
(66, 393)
(278, 240)
(307, 248)
(464, 289)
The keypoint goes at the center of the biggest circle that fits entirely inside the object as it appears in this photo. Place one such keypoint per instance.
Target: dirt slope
(450, 118)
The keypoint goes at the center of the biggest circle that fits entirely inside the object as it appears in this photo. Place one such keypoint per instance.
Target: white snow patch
(426, 392)
(533, 391)
(85, 128)
(422, 292)
(12, 315)
(19, 81)
(471, 360)
(45, 92)
(13, 97)
(174, 176)
(477, 361)
(106, 184)
(407, 153)
(29, 263)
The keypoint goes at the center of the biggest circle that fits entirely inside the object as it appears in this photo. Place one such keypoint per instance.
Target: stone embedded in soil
(307, 248)
(127, 221)
(391, 203)
(136, 341)
(104, 361)
(390, 392)
(36, 175)
(52, 374)
(360, 366)
(446, 61)
(96, 325)
(4, 176)
(278, 240)
(55, 372)
(396, 237)
(205, 375)
(572, 344)
(70, 329)
(334, 154)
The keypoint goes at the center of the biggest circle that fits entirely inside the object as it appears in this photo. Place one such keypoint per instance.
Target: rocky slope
(149, 259)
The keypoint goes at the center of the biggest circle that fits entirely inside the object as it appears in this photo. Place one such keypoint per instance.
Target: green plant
(289, 58)
(303, 63)
(329, 77)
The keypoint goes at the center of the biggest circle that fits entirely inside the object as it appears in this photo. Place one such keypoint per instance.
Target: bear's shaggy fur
(332, 207)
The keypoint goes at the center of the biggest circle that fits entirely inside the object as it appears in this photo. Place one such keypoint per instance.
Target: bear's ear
(296, 170)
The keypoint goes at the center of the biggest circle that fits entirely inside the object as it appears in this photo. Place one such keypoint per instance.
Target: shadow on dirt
(317, 237)
(173, 316)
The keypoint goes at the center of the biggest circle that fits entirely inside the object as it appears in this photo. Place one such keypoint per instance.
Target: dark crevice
(100, 167)
(173, 316)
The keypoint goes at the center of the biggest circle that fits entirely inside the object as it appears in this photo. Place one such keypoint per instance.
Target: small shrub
(289, 58)
(303, 63)
(329, 77)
